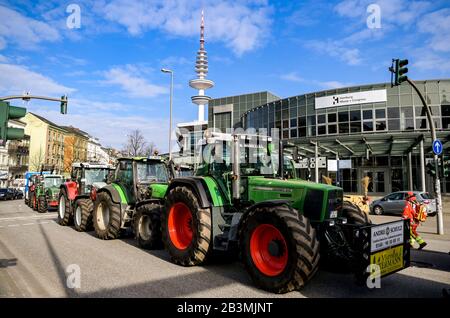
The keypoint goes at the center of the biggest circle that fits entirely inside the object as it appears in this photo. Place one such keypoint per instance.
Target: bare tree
(150, 149)
(37, 160)
(136, 145)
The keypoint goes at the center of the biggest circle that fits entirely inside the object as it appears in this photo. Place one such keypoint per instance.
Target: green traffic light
(8, 112)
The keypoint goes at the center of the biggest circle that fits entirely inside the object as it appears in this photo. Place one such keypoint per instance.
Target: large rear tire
(186, 228)
(42, 205)
(64, 213)
(354, 214)
(82, 217)
(147, 226)
(279, 248)
(106, 217)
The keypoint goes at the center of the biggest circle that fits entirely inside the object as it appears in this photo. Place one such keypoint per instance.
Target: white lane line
(27, 217)
(13, 225)
(28, 224)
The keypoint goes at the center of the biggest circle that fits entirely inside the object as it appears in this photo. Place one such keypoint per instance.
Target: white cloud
(334, 84)
(111, 127)
(16, 79)
(241, 25)
(395, 12)
(292, 77)
(437, 24)
(130, 79)
(351, 56)
(428, 61)
(23, 31)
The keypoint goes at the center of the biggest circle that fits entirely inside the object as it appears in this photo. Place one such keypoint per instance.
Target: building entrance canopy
(376, 144)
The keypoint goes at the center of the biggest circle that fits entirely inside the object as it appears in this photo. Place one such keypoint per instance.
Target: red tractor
(76, 196)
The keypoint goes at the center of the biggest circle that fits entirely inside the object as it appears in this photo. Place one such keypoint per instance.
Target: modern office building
(373, 130)
(226, 112)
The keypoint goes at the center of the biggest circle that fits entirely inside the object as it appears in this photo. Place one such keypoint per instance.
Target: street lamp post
(164, 70)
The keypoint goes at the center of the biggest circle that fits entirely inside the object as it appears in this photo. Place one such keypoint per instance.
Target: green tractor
(134, 200)
(46, 192)
(240, 202)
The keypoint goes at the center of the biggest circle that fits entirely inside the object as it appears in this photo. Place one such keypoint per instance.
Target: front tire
(186, 228)
(378, 210)
(106, 217)
(354, 214)
(42, 205)
(82, 217)
(147, 226)
(64, 213)
(279, 248)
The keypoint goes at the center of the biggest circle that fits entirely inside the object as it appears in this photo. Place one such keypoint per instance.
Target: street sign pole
(437, 181)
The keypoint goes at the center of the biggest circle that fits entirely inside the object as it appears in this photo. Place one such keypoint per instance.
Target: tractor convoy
(238, 201)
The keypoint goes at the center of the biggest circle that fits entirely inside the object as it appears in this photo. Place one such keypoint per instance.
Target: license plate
(389, 260)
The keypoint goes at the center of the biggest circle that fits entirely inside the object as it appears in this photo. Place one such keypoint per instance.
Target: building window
(380, 125)
(321, 119)
(380, 113)
(368, 126)
(355, 115)
(344, 128)
(332, 129)
(294, 122)
(367, 114)
(332, 118)
(343, 117)
(302, 132)
(355, 127)
(294, 133)
(321, 130)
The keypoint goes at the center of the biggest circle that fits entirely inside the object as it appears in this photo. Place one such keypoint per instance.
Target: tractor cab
(90, 175)
(142, 178)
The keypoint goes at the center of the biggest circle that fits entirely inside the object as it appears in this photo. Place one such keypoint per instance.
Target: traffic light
(445, 168)
(8, 112)
(63, 104)
(431, 169)
(399, 70)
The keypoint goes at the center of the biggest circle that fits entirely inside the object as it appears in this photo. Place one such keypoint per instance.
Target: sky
(107, 58)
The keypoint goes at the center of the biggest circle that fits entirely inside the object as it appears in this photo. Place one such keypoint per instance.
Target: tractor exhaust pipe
(236, 177)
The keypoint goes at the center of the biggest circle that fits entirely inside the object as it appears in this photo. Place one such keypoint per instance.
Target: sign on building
(311, 163)
(351, 99)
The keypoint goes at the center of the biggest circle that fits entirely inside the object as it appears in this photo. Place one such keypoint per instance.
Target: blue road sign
(437, 147)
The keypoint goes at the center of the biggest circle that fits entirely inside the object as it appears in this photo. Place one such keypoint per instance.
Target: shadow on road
(58, 265)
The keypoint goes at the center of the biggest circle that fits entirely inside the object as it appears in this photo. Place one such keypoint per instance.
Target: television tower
(201, 68)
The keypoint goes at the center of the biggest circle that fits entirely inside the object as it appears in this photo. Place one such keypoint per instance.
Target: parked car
(6, 194)
(18, 194)
(394, 203)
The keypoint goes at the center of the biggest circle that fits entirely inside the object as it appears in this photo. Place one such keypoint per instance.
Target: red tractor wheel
(268, 250)
(180, 225)
(279, 248)
(186, 228)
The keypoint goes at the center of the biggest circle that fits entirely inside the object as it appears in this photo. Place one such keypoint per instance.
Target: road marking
(28, 224)
(13, 225)
(27, 217)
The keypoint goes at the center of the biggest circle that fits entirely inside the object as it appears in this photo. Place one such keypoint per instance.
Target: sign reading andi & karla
(351, 99)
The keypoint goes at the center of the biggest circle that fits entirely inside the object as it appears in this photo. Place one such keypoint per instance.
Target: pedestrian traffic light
(8, 112)
(431, 169)
(399, 70)
(64, 105)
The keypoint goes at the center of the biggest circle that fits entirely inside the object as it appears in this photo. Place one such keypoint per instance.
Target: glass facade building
(226, 112)
(375, 126)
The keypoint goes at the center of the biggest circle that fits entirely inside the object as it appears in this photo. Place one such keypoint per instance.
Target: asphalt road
(36, 252)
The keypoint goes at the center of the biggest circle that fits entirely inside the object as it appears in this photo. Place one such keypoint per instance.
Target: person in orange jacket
(415, 213)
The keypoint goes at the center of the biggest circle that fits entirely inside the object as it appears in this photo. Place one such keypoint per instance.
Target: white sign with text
(351, 99)
(386, 235)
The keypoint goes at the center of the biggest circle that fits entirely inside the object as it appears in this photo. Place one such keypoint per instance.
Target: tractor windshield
(152, 172)
(52, 182)
(95, 175)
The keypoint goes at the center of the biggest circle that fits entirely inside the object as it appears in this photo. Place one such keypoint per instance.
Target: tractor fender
(197, 185)
(115, 196)
(71, 189)
(238, 218)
